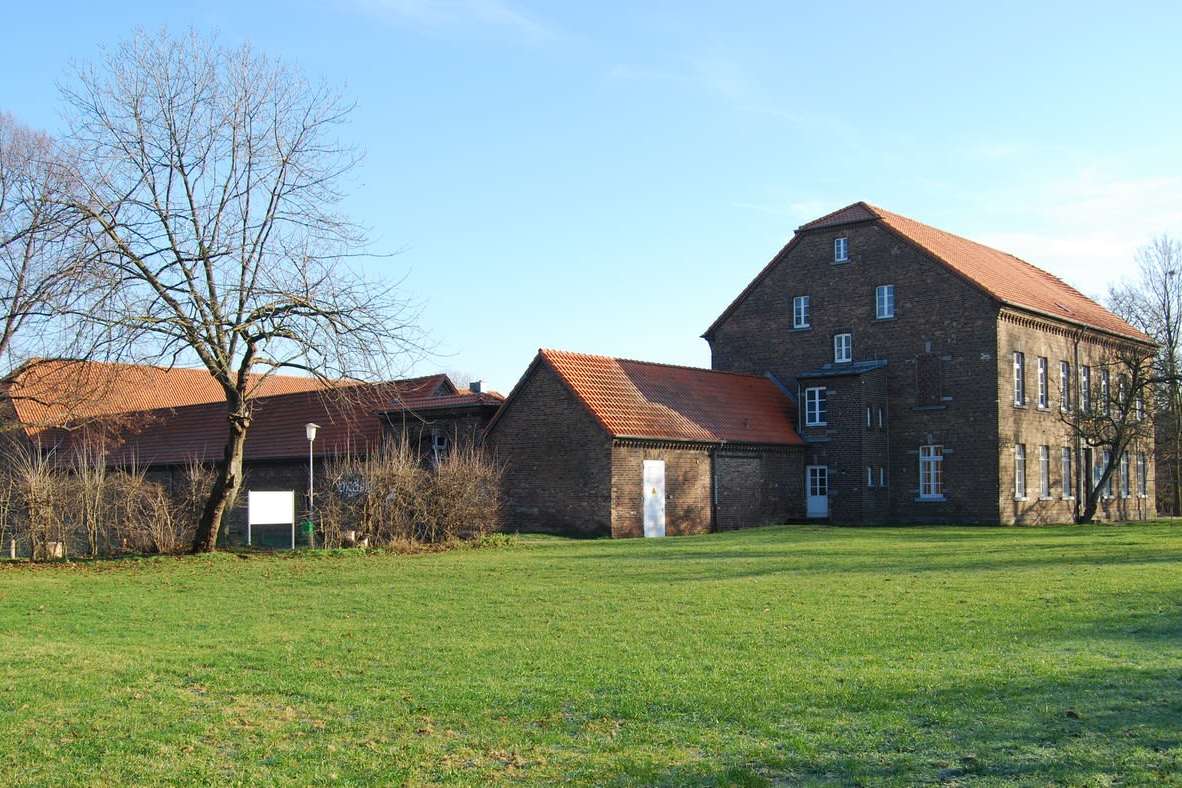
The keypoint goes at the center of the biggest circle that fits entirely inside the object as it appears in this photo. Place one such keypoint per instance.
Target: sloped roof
(1007, 278)
(347, 416)
(50, 393)
(638, 399)
(176, 436)
(460, 399)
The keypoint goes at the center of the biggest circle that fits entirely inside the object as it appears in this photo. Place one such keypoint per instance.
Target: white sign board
(270, 508)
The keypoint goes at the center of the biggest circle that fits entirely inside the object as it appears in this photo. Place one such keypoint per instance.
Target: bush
(78, 506)
(391, 497)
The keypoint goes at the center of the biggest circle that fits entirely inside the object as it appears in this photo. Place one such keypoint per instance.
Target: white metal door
(816, 488)
(654, 497)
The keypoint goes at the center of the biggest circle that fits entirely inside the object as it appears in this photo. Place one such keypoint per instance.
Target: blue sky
(606, 177)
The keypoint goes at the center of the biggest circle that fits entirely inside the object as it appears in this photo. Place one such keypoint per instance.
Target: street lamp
(310, 431)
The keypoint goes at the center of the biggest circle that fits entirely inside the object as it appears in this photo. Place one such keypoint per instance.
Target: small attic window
(841, 249)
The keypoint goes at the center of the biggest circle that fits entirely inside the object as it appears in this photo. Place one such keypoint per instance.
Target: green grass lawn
(793, 654)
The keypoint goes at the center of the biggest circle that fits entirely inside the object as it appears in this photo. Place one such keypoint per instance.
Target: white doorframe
(654, 498)
(816, 491)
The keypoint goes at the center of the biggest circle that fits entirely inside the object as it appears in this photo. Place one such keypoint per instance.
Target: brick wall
(759, 487)
(687, 489)
(557, 459)
(1035, 427)
(939, 320)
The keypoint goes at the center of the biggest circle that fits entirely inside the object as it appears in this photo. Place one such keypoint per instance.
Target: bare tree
(1153, 303)
(40, 271)
(211, 180)
(1108, 418)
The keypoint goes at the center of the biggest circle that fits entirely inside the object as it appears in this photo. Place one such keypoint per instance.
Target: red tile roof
(176, 436)
(462, 398)
(348, 419)
(638, 399)
(1003, 276)
(55, 393)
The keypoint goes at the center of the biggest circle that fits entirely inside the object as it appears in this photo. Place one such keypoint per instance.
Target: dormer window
(843, 348)
(841, 249)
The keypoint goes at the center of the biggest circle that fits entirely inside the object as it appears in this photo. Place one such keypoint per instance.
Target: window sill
(1046, 497)
(1020, 405)
(1068, 498)
(1044, 408)
(930, 499)
(801, 329)
(817, 424)
(1023, 498)
(884, 317)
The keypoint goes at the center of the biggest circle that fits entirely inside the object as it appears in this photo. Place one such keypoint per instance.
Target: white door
(816, 488)
(654, 497)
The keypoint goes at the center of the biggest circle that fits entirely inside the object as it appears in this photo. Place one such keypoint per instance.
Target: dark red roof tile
(638, 399)
(1003, 276)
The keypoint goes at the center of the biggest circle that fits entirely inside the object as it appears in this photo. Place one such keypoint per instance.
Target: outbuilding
(597, 446)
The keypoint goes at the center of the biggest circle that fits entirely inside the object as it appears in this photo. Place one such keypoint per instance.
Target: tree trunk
(226, 486)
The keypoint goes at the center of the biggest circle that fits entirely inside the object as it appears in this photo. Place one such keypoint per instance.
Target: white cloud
(1087, 227)
(438, 14)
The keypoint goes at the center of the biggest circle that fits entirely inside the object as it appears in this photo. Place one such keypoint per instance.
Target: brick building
(162, 420)
(602, 446)
(927, 370)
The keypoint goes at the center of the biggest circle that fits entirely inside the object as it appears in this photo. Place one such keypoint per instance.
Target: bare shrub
(91, 509)
(464, 498)
(392, 498)
(90, 490)
(148, 519)
(36, 488)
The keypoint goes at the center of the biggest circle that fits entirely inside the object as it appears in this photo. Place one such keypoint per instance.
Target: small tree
(1153, 303)
(209, 181)
(1109, 417)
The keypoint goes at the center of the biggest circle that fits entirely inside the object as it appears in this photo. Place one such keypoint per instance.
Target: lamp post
(310, 432)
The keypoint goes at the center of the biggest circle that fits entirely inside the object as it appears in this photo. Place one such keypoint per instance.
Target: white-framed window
(869, 417)
(884, 301)
(870, 476)
(814, 407)
(1043, 394)
(931, 472)
(800, 312)
(1139, 407)
(841, 249)
(1085, 389)
(882, 480)
(843, 348)
(1124, 474)
(881, 417)
(1064, 386)
(1142, 475)
(1020, 472)
(1105, 404)
(1068, 476)
(1019, 378)
(1044, 471)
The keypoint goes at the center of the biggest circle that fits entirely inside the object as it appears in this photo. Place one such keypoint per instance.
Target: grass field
(794, 654)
